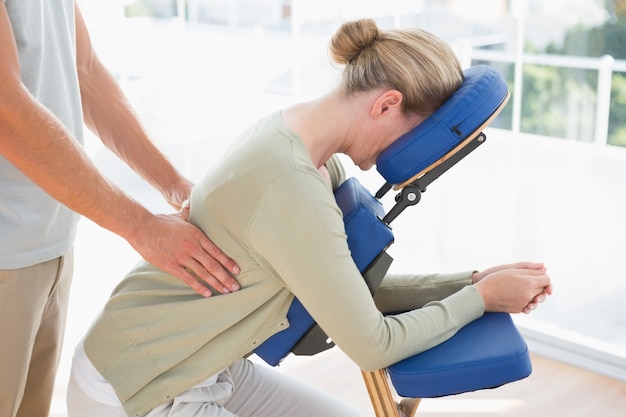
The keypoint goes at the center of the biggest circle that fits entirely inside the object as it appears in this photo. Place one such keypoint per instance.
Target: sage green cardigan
(267, 207)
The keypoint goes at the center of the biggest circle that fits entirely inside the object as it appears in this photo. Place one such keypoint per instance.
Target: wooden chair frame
(382, 396)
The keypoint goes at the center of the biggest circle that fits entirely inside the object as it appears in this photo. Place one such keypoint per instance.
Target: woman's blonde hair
(413, 61)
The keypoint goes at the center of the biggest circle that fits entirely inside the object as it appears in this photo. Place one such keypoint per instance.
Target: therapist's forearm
(110, 116)
(38, 144)
(44, 150)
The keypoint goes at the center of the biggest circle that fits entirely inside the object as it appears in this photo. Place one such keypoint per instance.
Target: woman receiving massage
(160, 349)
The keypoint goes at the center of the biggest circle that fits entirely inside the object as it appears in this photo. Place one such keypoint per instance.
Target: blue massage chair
(488, 352)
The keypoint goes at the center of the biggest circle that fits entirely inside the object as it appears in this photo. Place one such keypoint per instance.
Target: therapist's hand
(175, 246)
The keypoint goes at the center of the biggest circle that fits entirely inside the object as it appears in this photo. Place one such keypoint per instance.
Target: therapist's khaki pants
(33, 307)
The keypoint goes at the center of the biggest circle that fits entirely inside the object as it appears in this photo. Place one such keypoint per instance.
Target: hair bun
(351, 38)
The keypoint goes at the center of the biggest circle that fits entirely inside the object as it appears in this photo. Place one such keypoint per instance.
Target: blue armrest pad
(481, 94)
(274, 349)
(486, 353)
(368, 236)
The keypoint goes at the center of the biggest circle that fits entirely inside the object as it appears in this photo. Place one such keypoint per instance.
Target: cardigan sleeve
(298, 236)
(404, 292)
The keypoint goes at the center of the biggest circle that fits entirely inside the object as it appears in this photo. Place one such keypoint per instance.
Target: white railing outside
(606, 66)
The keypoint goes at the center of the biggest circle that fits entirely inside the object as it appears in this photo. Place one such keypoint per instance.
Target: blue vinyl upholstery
(486, 353)
(482, 92)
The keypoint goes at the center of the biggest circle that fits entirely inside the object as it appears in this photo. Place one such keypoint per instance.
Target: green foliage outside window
(553, 95)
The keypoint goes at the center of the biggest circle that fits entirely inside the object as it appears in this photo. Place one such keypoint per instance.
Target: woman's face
(379, 136)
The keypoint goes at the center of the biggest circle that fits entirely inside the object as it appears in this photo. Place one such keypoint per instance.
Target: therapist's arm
(35, 142)
(169, 242)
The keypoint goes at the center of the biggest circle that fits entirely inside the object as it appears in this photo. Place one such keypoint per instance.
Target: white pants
(245, 389)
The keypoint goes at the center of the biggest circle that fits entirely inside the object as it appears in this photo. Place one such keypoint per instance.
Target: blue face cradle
(470, 109)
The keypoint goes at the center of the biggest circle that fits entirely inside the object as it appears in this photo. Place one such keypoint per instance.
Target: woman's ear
(386, 102)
